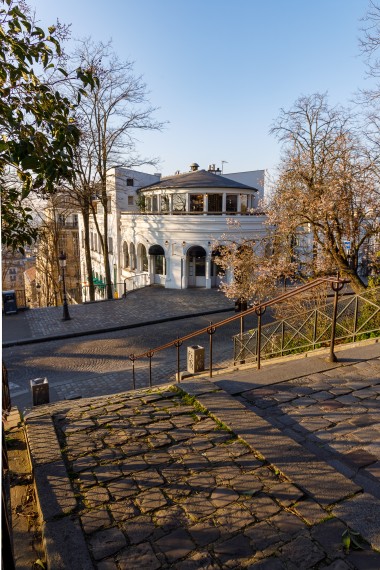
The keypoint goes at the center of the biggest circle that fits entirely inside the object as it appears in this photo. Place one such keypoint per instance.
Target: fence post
(315, 327)
(211, 330)
(282, 337)
(336, 287)
(132, 358)
(356, 317)
(259, 312)
(150, 354)
(177, 344)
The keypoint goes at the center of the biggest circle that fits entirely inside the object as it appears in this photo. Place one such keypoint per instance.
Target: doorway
(196, 264)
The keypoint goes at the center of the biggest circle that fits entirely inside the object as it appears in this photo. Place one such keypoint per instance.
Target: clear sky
(220, 70)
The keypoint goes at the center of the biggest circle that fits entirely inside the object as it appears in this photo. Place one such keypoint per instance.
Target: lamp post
(62, 264)
(38, 287)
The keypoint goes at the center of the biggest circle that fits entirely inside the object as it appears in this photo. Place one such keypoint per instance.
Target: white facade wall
(255, 178)
(176, 234)
(122, 198)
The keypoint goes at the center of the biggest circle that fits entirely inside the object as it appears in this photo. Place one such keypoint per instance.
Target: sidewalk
(262, 470)
(141, 307)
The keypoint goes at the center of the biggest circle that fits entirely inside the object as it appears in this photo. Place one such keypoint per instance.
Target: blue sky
(220, 70)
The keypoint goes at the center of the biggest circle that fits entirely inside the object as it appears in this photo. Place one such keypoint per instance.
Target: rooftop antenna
(224, 162)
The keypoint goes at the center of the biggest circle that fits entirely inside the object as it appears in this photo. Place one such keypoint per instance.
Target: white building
(161, 230)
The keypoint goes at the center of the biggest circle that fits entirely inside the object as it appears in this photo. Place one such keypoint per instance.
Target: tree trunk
(355, 282)
(105, 251)
(86, 224)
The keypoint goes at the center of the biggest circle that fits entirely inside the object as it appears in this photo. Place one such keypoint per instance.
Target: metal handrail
(312, 328)
(259, 306)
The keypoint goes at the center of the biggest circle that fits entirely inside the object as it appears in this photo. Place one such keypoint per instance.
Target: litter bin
(9, 302)
(195, 358)
(240, 305)
(40, 391)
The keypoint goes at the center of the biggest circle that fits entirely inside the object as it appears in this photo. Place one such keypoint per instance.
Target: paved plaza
(139, 308)
(90, 353)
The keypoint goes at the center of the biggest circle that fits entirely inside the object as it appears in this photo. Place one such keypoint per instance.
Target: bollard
(195, 359)
(40, 391)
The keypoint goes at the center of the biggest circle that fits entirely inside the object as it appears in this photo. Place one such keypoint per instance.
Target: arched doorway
(196, 267)
(158, 263)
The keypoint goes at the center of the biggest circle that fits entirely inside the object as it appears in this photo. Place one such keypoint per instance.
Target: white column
(208, 272)
(223, 202)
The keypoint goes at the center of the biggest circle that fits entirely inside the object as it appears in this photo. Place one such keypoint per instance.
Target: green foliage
(38, 132)
(141, 202)
(352, 540)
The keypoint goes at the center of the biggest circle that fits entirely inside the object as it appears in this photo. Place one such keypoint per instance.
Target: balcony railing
(202, 213)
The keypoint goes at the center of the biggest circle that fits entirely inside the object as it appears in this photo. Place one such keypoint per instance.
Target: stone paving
(190, 477)
(335, 413)
(140, 307)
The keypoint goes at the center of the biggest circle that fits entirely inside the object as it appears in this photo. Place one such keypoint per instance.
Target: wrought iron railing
(144, 360)
(357, 317)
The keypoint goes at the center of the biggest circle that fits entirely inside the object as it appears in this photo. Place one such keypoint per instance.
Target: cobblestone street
(99, 364)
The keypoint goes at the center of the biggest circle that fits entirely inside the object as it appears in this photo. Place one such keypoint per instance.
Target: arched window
(125, 255)
(159, 259)
(132, 256)
(144, 259)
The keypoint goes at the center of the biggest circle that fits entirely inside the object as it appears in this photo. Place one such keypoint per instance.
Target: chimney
(194, 167)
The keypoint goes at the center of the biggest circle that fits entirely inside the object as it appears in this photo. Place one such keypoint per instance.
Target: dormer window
(130, 182)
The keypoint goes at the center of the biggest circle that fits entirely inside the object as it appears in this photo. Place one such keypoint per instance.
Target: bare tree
(56, 233)
(109, 118)
(325, 182)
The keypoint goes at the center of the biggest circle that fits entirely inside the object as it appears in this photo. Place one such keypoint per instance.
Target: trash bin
(9, 302)
(40, 391)
(240, 305)
(195, 358)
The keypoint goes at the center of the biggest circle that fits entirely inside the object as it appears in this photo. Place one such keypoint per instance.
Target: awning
(156, 250)
(196, 251)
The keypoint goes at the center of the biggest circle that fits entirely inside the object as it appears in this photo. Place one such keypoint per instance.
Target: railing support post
(336, 287)
(356, 317)
(211, 330)
(315, 328)
(150, 356)
(132, 358)
(178, 344)
(282, 337)
(259, 312)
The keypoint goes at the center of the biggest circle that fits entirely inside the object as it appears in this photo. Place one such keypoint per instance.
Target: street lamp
(62, 264)
(38, 287)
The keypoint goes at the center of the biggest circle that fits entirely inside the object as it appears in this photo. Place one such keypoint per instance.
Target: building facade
(181, 220)
(58, 233)
(164, 230)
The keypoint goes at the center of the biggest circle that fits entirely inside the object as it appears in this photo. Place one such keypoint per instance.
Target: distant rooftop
(197, 179)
